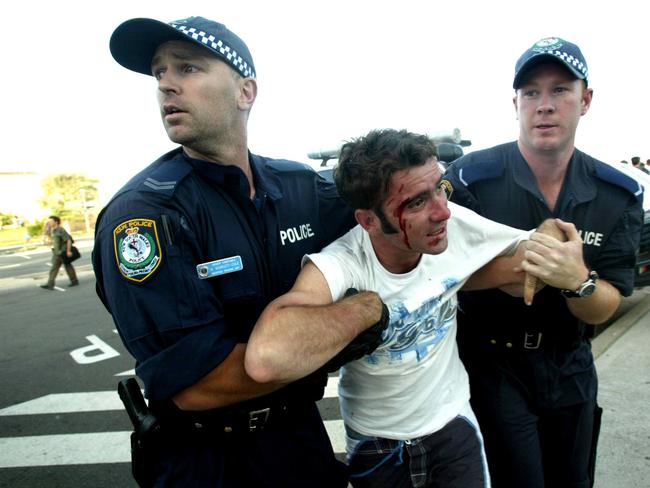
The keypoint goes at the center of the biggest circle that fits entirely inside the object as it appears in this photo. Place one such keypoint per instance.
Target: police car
(642, 269)
(450, 146)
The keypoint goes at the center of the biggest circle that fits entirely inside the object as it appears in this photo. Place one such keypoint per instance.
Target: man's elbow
(260, 365)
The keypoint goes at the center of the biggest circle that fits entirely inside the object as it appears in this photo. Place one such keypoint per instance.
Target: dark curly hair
(367, 163)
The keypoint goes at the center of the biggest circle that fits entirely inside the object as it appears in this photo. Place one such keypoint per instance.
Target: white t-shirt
(414, 383)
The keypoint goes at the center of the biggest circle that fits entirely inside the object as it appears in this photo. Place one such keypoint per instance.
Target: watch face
(587, 289)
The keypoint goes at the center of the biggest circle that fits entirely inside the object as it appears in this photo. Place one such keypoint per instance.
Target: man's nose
(440, 211)
(545, 104)
(167, 82)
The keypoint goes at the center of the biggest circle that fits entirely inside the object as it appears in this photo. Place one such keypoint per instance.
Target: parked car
(449, 144)
(642, 268)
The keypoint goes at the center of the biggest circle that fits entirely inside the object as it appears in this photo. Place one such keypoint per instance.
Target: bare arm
(225, 385)
(502, 272)
(300, 331)
(561, 265)
(295, 335)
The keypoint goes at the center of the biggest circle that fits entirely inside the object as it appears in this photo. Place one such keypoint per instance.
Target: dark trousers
(528, 445)
(449, 458)
(56, 266)
(298, 455)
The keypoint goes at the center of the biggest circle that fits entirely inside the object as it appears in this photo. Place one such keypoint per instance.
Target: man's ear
(366, 218)
(587, 96)
(247, 93)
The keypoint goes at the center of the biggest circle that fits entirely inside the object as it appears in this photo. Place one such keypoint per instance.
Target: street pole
(85, 210)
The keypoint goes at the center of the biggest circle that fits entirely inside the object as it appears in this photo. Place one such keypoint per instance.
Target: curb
(611, 334)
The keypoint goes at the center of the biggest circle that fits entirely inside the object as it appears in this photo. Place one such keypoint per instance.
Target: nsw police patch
(137, 248)
(447, 187)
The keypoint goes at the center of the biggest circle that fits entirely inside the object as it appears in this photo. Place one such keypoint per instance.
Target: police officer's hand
(558, 264)
(365, 343)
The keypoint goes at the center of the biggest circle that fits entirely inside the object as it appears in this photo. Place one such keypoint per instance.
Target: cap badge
(547, 44)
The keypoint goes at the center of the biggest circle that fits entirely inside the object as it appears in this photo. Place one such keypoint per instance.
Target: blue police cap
(552, 48)
(135, 41)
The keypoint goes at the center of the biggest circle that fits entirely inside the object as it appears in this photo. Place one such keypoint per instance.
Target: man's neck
(228, 156)
(394, 260)
(549, 169)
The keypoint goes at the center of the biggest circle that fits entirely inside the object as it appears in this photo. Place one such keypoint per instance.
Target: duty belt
(222, 421)
(529, 340)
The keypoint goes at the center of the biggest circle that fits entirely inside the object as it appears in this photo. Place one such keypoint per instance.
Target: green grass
(16, 237)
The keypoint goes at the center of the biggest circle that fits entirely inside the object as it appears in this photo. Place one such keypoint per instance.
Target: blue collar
(234, 179)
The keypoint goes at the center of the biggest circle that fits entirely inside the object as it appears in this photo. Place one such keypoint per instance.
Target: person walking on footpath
(61, 249)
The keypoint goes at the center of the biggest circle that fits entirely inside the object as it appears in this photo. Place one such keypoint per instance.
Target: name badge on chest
(219, 267)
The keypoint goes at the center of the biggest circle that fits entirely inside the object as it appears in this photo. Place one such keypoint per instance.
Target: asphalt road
(61, 421)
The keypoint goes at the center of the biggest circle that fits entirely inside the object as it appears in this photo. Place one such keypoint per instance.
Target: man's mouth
(171, 109)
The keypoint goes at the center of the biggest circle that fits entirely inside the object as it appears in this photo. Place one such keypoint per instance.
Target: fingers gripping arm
(561, 265)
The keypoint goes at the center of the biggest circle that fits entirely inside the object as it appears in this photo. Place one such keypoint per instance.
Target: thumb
(569, 229)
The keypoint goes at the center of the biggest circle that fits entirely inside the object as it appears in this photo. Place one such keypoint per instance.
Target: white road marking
(332, 388)
(95, 447)
(336, 432)
(130, 372)
(96, 401)
(56, 450)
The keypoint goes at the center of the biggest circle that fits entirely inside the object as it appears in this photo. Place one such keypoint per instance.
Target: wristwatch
(585, 289)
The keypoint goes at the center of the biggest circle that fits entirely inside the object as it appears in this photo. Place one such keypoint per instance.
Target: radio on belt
(219, 267)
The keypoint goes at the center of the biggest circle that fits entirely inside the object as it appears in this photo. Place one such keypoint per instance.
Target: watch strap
(585, 289)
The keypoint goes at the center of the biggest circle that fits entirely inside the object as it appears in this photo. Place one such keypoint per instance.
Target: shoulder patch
(618, 178)
(447, 187)
(479, 171)
(137, 249)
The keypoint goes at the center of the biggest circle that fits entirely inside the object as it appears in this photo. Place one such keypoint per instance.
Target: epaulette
(611, 175)
(285, 165)
(164, 179)
(480, 170)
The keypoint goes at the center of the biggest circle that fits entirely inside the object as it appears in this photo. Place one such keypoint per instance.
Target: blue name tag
(219, 267)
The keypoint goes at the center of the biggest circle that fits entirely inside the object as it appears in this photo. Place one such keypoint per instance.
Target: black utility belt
(217, 422)
(530, 341)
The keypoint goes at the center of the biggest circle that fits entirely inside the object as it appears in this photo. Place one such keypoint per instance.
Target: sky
(327, 71)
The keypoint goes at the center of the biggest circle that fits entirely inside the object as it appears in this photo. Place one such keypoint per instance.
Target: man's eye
(190, 68)
(415, 203)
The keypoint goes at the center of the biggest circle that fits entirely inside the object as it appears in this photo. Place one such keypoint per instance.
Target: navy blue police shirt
(179, 214)
(605, 206)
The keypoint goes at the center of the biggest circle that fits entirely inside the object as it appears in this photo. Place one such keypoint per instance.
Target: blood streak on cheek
(402, 222)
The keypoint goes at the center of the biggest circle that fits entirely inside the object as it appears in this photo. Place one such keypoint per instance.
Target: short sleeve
(169, 320)
(616, 261)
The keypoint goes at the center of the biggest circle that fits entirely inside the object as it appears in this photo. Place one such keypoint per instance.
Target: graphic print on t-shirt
(417, 329)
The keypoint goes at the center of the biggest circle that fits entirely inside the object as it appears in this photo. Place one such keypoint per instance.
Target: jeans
(451, 457)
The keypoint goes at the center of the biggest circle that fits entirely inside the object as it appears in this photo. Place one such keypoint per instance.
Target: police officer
(189, 253)
(532, 375)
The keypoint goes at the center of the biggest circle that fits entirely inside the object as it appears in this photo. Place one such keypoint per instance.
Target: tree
(68, 194)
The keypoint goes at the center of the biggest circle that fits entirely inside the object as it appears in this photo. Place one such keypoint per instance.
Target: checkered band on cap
(226, 52)
(566, 52)
(569, 59)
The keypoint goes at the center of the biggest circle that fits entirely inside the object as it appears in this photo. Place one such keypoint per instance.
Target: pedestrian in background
(61, 249)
